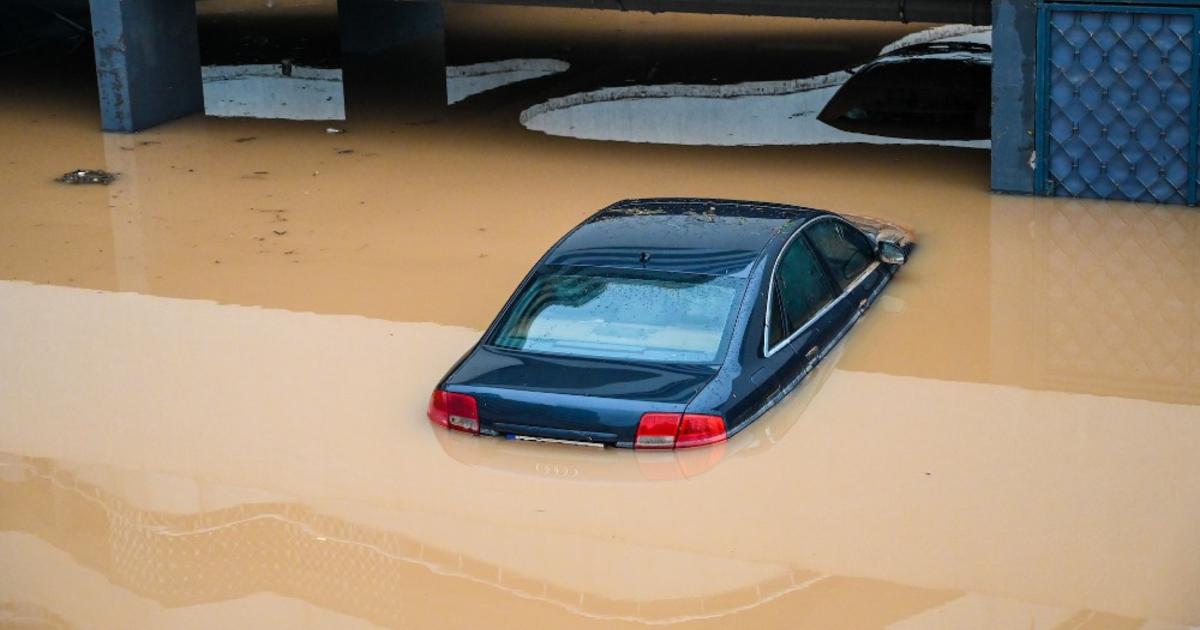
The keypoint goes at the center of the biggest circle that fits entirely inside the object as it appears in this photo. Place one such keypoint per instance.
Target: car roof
(965, 51)
(707, 236)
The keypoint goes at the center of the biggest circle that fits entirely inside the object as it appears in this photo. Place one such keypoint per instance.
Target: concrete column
(393, 48)
(1014, 54)
(147, 62)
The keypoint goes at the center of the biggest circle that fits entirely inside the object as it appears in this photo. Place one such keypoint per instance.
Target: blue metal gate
(1118, 96)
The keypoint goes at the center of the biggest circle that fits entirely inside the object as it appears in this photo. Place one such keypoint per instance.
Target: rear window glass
(622, 314)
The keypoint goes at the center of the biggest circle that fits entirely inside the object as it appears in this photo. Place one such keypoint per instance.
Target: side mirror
(891, 253)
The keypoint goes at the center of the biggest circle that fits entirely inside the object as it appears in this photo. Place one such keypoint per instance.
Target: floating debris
(88, 176)
(637, 212)
(334, 130)
(708, 216)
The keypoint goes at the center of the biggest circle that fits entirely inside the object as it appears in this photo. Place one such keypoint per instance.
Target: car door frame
(736, 393)
(831, 339)
(865, 286)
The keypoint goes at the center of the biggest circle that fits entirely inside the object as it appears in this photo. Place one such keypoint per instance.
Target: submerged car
(669, 323)
(934, 90)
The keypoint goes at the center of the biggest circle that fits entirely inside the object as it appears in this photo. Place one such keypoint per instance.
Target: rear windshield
(622, 314)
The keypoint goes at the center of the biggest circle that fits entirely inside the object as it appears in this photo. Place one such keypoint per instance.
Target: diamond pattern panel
(1119, 300)
(1119, 105)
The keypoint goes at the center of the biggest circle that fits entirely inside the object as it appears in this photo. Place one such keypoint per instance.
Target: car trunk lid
(575, 399)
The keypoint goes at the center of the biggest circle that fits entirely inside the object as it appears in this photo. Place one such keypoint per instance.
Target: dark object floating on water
(938, 90)
(88, 176)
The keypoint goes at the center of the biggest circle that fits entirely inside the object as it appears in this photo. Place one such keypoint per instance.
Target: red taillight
(657, 430)
(455, 411)
(699, 429)
(674, 430)
(438, 413)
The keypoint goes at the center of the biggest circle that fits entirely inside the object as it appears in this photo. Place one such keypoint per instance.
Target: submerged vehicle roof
(705, 236)
(962, 51)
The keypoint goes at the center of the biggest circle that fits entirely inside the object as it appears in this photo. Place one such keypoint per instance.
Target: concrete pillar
(393, 49)
(1014, 54)
(147, 62)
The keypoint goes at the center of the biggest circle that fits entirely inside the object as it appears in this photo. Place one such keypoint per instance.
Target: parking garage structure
(1095, 99)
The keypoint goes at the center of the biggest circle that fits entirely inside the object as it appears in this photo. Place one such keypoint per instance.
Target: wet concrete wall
(1014, 48)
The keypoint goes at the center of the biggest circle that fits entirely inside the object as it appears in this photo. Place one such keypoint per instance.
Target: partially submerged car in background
(934, 90)
(669, 323)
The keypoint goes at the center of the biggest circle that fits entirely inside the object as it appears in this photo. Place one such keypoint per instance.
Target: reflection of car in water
(669, 323)
(935, 90)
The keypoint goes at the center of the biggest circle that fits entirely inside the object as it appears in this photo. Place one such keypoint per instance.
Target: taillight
(675, 430)
(439, 411)
(455, 411)
(699, 429)
(657, 430)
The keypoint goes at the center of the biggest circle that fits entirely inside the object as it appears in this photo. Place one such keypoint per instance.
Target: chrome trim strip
(767, 351)
(531, 438)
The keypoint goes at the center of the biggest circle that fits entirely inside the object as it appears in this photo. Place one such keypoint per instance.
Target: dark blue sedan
(669, 323)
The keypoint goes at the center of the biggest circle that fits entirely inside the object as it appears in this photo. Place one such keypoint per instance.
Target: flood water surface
(216, 370)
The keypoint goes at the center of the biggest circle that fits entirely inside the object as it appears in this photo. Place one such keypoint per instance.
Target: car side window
(802, 289)
(847, 252)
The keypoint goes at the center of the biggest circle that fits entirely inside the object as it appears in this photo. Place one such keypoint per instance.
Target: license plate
(530, 438)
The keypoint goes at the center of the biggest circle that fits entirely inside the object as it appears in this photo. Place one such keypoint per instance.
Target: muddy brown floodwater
(215, 371)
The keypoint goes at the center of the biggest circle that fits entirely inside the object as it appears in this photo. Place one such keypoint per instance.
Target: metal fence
(1119, 87)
